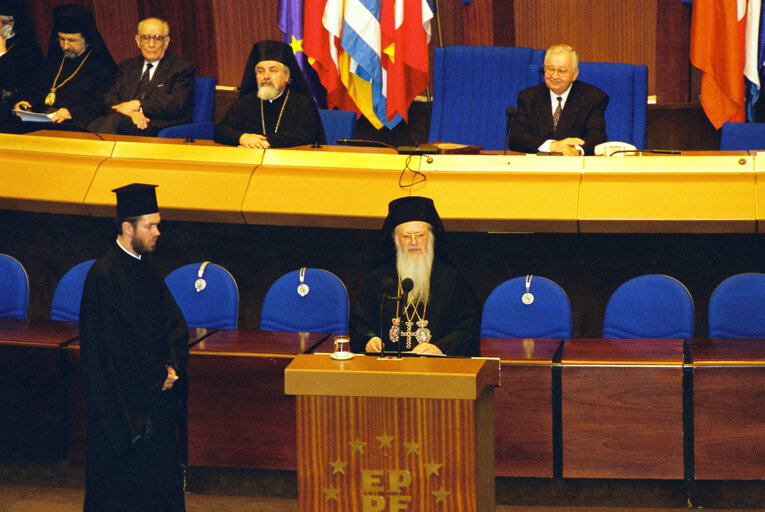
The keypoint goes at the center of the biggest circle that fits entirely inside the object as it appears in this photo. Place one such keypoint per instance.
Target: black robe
(130, 329)
(299, 124)
(17, 67)
(453, 312)
(81, 95)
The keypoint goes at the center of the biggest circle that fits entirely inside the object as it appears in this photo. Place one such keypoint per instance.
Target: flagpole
(438, 25)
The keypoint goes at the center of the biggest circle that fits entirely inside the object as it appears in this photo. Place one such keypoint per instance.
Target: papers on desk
(33, 117)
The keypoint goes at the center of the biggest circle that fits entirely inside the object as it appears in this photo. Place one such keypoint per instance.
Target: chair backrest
(338, 124)
(472, 87)
(506, 315)
(323, 309)
(742, 136)
(204, 98)
(649, 306)
(737, 307)
(14, 288)
(68, 294)
(627, 89)
(213, 305)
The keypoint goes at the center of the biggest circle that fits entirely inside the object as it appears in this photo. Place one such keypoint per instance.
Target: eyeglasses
(551, 70)
(157, 38)
(415, 237)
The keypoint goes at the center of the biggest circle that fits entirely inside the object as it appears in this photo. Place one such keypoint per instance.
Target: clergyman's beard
(418, 270)
(141, 248)
(70, 54)
(268, 91)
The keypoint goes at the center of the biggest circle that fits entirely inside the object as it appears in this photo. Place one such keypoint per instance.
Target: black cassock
(80, 94)
(299, 123)
(130, 329)
(453, 312)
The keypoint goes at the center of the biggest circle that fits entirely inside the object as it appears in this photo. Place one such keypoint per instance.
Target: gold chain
(56, 87)
(279, 120)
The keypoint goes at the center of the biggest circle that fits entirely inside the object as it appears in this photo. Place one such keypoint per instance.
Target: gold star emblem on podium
(412, 447)
(331, 493)
(338, 467)
(357, 446)
(432, 468)
(441, 495)
(385, 440)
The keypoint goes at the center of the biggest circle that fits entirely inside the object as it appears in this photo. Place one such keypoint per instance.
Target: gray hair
(563, 48)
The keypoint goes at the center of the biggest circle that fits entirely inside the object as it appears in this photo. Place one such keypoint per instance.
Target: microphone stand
(510, 113)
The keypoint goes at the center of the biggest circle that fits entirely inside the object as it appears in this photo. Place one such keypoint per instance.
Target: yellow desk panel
(505, 193)
(48, 174)
(321, 188)
(196, 183)
(668, 194)
(759, 173)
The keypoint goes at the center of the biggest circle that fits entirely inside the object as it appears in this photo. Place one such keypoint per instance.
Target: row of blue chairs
(649, 306)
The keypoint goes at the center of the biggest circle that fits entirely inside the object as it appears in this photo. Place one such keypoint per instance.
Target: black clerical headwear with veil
(77, 19)
(407, 209)
(136, 199)
(280, 52)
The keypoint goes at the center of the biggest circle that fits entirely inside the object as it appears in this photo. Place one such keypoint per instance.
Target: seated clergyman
(440, 315)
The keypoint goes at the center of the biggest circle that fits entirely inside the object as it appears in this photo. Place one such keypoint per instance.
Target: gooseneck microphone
(510, 113)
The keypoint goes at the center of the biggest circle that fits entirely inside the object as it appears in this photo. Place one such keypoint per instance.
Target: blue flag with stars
(289, 19)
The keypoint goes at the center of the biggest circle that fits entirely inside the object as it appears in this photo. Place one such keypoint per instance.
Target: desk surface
(720, 352)
(615, 352)
(22, 331)
(258, 343)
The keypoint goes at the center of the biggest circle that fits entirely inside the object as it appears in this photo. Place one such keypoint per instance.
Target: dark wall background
(589, 267)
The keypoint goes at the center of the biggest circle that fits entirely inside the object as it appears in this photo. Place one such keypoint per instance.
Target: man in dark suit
(562, 115)
(151, 91)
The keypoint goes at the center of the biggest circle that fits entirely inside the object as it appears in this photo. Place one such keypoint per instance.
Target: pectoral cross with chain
(408, 334)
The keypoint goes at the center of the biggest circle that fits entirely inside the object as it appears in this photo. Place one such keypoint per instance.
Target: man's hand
(171, 378)
(566, 146)
(127, 107)
(140, 120)
(60, 115)
(426, 348)
(374, 345)
(23, 103)
(253, 140)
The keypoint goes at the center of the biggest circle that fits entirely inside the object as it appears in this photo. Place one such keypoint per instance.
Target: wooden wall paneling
(600, 30)
(672, 51)
(238, 25)
(478, 20)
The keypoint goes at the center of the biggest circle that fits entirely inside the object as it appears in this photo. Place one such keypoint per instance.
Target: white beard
(268, 92)
(418, 270)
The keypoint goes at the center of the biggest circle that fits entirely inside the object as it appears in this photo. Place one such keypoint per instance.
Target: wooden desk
(523, 406)
(729, 417)
(32, 392)
(238, 414)
(77, 432)
(622, 408)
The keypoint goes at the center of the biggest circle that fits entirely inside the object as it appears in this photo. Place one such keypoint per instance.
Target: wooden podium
(411, 434)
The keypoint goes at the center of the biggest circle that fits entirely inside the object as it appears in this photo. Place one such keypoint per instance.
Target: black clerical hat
(77, 19)
(136, 199)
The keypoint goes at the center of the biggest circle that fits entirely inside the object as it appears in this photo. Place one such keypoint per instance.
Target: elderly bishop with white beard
(441, 314)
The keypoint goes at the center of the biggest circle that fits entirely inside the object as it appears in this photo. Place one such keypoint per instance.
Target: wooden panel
(238, 25)
(422, 445)
(728, 422)
(622, 422)
(666, 193)
(600, 30)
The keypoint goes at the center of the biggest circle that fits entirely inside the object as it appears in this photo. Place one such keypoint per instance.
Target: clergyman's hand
(171, 378)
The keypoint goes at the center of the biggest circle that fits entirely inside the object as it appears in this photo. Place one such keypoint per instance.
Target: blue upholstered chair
(201, 125)
(213, 305)
(627, 89)
(472, 87)
(737, 307)
(68, 294)
(649, 306)
(14, 288)
(323, 309)
(505, 315)
(742, 136)
(338, 124)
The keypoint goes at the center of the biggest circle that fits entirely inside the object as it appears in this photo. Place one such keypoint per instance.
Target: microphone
(652, 151)
(510, 113)
(406, 286)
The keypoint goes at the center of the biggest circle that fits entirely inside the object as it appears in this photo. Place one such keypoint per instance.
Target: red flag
(717, 49)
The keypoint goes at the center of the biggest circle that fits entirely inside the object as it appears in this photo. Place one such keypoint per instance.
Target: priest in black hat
(134, 349)
(441, 314)
(20, 54)
(77, 71)
(275, 108)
